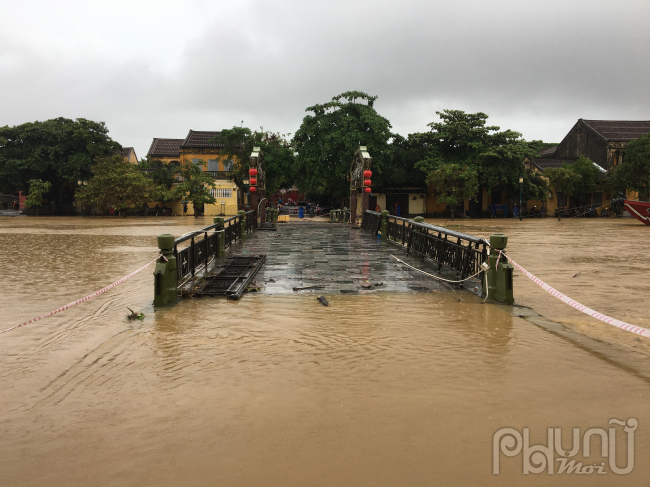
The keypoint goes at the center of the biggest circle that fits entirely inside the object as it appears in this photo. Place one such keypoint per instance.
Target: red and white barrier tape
(580, 307)
(86, 298)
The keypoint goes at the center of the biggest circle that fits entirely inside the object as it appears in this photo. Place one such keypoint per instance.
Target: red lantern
(368, 190)
(367, 174)
(253, 181)
(253, 189)
(367, 182)
(252, 172)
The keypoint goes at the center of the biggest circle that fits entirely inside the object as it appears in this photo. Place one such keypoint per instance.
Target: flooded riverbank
(392, 388)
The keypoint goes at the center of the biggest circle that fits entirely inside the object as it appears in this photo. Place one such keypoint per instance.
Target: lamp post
(83, 209)
(521, 184)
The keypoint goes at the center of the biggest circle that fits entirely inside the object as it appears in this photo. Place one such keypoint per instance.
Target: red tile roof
(619, 130)
(196, 138)
(165, 148)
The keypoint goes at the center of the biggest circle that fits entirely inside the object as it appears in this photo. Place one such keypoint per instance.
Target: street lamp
(521, 183)
(83, 209)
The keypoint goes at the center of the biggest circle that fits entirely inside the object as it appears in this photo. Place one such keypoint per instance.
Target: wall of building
(582, 141)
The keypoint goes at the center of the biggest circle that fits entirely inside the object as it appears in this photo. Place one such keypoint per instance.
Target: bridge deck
(335, 257)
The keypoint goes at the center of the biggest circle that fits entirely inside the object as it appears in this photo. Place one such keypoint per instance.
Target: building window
(597, 200)
(227, 165)
(213, 165)
(221, 192)
(198, 162)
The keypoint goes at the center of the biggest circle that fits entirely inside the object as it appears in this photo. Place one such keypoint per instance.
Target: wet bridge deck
(333, 258)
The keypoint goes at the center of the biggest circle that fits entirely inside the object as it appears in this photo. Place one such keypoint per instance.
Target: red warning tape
(86, 298)
(580, 307)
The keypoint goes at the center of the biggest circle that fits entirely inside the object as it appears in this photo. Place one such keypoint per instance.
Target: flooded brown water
(379, 389)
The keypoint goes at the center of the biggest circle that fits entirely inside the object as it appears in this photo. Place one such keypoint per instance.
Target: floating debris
(577, 274)
(134, 315)
(307, 287)
(323, 301)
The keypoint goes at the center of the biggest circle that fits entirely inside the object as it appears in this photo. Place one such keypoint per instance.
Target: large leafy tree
(60, 151)
(195, 186)
(37, 191)
(162, 177)
(115, 184)
(453, 183)
(278, 155)
(634, 172)
(465, 139)
(563, 179)
(328, 138)
(576, 180)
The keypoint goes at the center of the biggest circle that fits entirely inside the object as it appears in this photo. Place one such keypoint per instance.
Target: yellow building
(128, 153)
(196, 148)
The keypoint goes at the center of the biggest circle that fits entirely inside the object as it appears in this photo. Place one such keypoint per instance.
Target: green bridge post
(343, 213)
(221, 236)
(499, 280)
(242, 220)
(384, 224)
(165, 276)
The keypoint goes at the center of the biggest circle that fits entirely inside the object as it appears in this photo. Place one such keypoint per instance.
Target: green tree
(60, 151)
(327, 140)
(589, 176)
(195, 186)
(453, 183)
(115, 184)
(161, 175)
(37, 191)
(563, 179)
(465, 139)
(278, 155)
(634, 172)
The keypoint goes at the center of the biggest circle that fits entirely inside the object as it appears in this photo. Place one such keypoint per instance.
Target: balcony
(221, 174)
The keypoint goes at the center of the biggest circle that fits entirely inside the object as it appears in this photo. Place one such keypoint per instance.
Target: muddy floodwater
(392, 388)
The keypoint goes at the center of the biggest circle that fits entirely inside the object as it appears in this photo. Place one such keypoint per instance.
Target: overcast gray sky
(159, 68)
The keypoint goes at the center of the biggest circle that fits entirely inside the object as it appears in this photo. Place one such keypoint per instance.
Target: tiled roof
(542, 163)
(196, 138)
(125, 152)
(165, 148)
(547, 152)
(619, 130)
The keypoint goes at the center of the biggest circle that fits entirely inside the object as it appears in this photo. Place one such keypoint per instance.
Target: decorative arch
(256, 161)
(360, 162)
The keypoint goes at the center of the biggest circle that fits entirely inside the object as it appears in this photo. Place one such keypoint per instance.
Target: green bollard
(335, 216)
(499, 280)
(384, 224)
(344, 214)
(165, 276)
(418, 219)
(242, 219)
(221, 236)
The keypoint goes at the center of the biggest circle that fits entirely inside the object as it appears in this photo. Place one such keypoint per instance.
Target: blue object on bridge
(301, 212)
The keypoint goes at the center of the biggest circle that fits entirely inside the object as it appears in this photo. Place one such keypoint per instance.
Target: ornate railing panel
(455, 250)
(371, 221)
(203, 246)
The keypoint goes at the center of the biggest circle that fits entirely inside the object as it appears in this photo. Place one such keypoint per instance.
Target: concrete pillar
(365, 201)
(384, 224)
(242, 219)
(165, 274)
(353, 206)
(499, 279)
(221, 236)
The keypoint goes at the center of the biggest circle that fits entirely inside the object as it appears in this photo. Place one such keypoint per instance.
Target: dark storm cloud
(532, 66)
